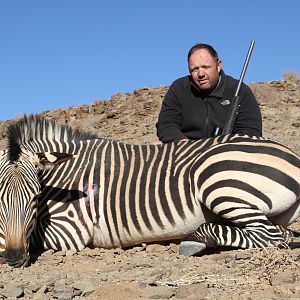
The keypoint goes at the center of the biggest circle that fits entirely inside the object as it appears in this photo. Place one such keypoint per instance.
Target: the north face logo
(225, 102)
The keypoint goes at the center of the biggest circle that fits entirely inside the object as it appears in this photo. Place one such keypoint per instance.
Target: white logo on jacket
(225, 102)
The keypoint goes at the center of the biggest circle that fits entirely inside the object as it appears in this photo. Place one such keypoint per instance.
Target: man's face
(204, 70)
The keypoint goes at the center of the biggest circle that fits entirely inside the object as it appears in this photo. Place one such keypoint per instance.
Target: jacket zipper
(206, 117)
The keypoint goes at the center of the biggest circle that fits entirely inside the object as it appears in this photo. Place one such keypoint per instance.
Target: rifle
(235, 102)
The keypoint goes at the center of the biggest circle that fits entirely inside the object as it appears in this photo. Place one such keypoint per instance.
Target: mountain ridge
(131, 117)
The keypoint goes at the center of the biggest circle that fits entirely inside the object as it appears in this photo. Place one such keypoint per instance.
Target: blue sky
(61, 53)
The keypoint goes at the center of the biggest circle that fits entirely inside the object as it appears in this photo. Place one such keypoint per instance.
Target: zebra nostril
(16, 257)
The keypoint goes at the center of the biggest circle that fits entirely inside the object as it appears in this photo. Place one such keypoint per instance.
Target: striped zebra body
(254, 185)
(122, 195)
(229, 190)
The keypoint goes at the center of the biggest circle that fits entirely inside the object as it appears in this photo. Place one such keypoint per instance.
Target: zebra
(62, 188)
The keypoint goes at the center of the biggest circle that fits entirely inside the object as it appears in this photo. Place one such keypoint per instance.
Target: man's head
(204, 66)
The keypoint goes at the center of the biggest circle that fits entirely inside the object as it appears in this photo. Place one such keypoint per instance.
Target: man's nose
(200, 72)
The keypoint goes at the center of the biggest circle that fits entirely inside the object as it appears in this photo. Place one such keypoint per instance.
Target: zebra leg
(250, 229)
(289, 235)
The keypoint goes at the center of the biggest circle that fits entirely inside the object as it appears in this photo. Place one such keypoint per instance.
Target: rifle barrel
(245, 68)
(234, 106)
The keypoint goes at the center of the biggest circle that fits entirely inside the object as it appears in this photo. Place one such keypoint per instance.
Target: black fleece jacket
(186, 112)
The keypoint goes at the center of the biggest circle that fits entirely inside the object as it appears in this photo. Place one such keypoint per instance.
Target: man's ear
(50, 159)
(219, 65)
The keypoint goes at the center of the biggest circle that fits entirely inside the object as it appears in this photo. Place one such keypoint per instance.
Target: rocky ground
(156, 271)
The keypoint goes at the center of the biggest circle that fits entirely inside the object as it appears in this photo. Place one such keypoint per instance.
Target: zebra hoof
(189, 248)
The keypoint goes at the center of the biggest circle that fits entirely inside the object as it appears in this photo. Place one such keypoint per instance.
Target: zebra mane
(32, 128)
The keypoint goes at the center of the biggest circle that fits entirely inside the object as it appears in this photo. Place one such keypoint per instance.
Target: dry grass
(262, 264)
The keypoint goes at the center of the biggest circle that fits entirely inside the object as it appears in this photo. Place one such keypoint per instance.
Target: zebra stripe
(225, 191)
(244, 183)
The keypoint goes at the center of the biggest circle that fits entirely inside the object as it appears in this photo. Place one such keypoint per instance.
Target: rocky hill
(131, 117)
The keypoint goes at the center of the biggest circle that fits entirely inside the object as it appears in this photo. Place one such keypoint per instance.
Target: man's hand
(156, 142)
(183, 141)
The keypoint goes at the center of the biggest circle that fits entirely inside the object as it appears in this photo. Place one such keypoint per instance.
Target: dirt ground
(157, 271)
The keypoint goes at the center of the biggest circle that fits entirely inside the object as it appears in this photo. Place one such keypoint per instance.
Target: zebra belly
(288, 216)
(109, 236)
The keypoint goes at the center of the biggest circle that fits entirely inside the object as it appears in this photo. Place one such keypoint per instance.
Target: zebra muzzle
(16, 257)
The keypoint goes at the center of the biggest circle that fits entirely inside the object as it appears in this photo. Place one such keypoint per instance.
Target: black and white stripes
(229, 190)
(253, 184)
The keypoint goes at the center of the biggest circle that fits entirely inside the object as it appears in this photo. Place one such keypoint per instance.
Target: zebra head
(19, 188)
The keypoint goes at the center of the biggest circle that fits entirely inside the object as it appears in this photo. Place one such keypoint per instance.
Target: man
(196, 105)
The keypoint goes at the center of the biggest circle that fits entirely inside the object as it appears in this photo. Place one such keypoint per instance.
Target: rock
(70, 252)
(41, 294)
(282, 278)
(62, 291)
(32, 288)
(142, 285)
(12, 291)
(160, 296)
(192, 291)
(189, 248)
(48, 252)
(174, 248)
(86, 286)
(43, 290)
(60, 253)
(156, 248)
(41, 297)
(243, 255)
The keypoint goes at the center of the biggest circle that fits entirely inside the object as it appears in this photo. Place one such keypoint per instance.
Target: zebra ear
(50, 159)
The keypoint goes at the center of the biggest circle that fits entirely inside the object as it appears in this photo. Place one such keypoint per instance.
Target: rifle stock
(235, 102)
